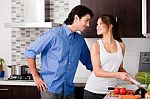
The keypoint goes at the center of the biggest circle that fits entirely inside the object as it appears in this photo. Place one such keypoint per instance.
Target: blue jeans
(90, 95)
(49, 95)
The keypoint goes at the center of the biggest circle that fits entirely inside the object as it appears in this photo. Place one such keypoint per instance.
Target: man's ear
(76, 17)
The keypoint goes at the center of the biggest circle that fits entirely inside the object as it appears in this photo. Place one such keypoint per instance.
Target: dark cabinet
(29, 92)
(79, 92)
(19, 92)
(128, 14)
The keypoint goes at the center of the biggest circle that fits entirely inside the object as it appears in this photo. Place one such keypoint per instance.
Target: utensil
(18, 70)
(135, 82)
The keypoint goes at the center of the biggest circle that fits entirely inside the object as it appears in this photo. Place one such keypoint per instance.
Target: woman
(107, 59)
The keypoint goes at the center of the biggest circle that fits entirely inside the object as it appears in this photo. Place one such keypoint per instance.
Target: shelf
(32, 25)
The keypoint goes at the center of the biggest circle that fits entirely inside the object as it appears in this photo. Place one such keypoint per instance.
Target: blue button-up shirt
(60, 51)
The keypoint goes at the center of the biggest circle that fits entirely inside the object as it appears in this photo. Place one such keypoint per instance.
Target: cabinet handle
(116, 19)
(3, 89)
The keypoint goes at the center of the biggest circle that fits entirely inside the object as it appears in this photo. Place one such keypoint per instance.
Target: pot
(18, 70)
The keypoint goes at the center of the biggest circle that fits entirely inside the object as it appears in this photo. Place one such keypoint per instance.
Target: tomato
(123, 91)
(117, 90)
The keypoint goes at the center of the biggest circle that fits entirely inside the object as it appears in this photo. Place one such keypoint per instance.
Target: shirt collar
(68, 31)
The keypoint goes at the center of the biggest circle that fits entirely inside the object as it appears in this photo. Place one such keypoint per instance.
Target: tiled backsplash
(22, 37)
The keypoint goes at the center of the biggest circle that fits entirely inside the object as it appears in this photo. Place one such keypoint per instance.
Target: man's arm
(85, 57)
(37, 79)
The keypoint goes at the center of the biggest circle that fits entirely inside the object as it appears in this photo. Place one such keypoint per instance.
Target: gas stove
(21, 77)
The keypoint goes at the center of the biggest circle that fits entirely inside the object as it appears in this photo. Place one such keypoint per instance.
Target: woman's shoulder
(95, 46)
(122, 44)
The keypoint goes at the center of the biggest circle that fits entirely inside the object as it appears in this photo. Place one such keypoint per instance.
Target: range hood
(34, 16)
(144, 19)
(32, 25)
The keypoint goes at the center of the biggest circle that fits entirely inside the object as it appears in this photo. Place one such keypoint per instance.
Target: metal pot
(18, 70)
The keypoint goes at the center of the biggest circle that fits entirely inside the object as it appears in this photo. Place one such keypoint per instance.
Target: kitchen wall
(10, 39)
(5, 33)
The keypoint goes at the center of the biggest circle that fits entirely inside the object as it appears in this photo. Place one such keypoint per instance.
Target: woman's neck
(108, 39)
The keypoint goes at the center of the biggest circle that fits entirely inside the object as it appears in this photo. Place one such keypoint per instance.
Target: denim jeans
(49, 95)
(90, 95)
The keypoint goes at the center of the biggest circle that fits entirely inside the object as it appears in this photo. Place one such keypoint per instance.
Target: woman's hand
(123, 76)
(40, 84)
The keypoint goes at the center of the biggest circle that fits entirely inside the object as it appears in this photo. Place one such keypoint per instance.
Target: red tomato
(117, 90)
(123, 91)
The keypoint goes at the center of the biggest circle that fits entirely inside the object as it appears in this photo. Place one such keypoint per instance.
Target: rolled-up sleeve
(38, 45)
(29, 53)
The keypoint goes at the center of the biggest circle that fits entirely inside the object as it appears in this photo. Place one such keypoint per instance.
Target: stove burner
(21, 77)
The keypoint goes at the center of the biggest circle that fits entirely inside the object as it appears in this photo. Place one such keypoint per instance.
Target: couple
(61, 49)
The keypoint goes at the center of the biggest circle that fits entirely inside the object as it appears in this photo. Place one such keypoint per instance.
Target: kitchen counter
(128, 86)
(78, 82)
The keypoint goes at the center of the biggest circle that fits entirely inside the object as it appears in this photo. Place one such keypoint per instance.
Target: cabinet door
(148, 16)
(11, 92)
(79, 92)
(129, 17)
(127, 12)
(19, 92)
(31, 92)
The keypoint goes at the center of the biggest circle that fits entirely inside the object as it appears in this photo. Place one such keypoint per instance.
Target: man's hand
(40, 84)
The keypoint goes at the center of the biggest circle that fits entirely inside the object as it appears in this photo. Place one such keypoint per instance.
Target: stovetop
(21, 77)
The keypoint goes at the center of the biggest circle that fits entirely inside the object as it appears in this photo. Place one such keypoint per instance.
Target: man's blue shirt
(60, 51)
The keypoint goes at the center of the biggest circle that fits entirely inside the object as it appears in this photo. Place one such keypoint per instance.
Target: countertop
(128, 86)
(78, 82)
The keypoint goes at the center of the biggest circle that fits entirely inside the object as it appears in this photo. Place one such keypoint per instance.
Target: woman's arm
(121, 68)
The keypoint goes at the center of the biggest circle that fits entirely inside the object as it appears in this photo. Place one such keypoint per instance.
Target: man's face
(83, 23)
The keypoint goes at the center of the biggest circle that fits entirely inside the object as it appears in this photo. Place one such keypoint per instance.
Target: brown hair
(109, 19)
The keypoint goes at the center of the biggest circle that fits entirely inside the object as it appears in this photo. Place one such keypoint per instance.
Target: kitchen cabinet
(128, 14)
(79, 91)
(19, 92)
(28, 92)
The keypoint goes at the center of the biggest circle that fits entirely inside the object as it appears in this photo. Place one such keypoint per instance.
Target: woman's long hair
(109, 19)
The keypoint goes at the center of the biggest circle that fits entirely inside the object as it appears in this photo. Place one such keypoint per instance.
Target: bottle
(141, 91)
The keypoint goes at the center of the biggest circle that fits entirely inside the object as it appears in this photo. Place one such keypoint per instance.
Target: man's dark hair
(79, 10)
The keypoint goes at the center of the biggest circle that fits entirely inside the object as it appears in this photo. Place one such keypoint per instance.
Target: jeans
(49, 95)
(90, 95)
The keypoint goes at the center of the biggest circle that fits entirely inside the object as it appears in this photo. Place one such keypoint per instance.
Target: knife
(135, 82)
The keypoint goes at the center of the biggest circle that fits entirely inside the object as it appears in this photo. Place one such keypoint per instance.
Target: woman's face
(101, 27)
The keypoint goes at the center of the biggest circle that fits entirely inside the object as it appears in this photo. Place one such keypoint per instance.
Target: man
(61, 49)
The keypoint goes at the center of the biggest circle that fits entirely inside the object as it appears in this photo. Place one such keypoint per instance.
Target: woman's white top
(110, 62)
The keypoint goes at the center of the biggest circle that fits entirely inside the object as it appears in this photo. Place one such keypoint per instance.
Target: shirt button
(69, 63)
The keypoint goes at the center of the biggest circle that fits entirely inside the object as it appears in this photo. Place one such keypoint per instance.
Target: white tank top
(109, 62)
